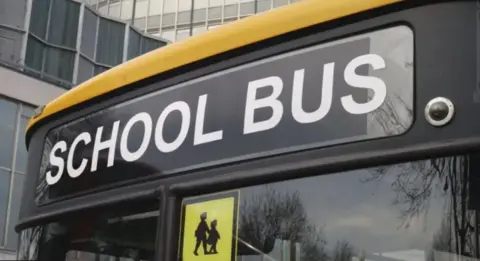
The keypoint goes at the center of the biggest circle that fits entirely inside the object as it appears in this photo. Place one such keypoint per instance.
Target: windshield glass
(416, 211)
(128, 234)
(424, 210)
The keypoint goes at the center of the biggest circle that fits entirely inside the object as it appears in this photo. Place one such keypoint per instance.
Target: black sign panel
(322, 95)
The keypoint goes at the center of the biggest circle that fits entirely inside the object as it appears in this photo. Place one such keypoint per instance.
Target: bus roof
(227, 37)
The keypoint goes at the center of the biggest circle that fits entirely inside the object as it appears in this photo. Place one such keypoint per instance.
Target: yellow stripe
(224, 38)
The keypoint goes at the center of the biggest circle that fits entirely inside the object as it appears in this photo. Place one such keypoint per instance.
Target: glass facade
(12, 30)
(13, 163)
(178, 19)
(69, 42)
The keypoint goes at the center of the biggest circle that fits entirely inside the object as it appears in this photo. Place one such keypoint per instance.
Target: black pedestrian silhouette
(201, 234)
(213, 237)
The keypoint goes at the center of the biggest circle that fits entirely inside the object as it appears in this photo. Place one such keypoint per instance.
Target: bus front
(320, 131)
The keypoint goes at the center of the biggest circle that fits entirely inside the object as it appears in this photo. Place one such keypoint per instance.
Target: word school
(153, 131)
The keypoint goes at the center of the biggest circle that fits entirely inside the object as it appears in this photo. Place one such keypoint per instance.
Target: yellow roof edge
(227, 37)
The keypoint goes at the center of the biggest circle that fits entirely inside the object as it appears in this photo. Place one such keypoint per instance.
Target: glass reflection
(122, 234)
(423, 210)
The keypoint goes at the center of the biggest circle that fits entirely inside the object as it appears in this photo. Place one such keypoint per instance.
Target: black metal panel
(350, 89)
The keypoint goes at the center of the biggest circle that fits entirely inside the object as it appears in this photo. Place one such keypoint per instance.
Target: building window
(59, 63)
(39, 18)
(154, 31)
(231, 10)
(8, 111)
(168, 20)
(14, 209)
(89, 34)
(215, 13)
(247, 8)
(263, 5)
(4, 193)
(85, 69)
(110, 42)
(100, 69)
(45, 54)
(63, 23)
(139, 44)
(134, 44)
(154, 21)
(21, 160)
(34, 53)
(278, 3)
(13, 164)
(149, 44)
(199, 15)
(184, 17)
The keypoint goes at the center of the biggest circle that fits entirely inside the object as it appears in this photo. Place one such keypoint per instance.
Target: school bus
(322, 130)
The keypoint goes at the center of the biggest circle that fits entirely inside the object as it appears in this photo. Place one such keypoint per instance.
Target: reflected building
(176, 20)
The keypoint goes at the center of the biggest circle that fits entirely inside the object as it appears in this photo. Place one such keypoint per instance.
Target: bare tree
(393, 116)
(313, 245)
(442, 240)
(416, 182)
(274, 215)
(343, 251)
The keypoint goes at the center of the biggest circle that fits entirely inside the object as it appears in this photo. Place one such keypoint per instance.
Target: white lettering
(370, 82)
(107, 144)
(298, 113)
(72, 172)
(147, 123)
(164, 146)
(56, 161)
(199, 136)
(271, 101)
(253, 104)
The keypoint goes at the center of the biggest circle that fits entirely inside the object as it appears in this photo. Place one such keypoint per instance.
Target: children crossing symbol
(209, 227)
(206, 235)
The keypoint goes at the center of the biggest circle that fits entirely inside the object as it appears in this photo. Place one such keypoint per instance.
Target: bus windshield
(373, 214)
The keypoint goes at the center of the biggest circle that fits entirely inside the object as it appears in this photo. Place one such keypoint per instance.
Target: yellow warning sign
(209, 227)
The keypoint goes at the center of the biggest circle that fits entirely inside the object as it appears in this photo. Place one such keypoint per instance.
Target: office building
(46, 48)
(178, 19)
